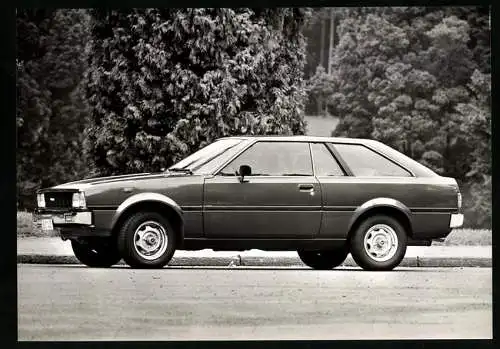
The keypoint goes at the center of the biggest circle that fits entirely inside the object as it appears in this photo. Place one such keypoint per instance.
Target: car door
(280, 199)
(336, 201)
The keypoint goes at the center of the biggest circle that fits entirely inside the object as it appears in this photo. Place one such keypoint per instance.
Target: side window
(324, 162)
(274, 159)
(364, 162)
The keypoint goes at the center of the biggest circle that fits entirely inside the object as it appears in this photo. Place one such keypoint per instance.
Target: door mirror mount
(244, 171)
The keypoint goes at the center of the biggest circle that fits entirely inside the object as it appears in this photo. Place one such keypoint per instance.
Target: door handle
(306, 187)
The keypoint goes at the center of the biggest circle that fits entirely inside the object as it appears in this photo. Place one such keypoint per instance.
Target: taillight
(459, 200)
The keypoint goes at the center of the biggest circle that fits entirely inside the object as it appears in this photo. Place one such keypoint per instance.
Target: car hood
(90, 182)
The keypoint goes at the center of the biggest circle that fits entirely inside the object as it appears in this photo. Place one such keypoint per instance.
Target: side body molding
(134, 199)
(379, 202)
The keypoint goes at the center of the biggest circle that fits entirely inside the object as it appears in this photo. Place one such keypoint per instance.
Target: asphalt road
(77, 303)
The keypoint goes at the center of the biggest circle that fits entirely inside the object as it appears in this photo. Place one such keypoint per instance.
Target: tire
(370, 242)
(324, 260)
(157, 245)
(96, 255)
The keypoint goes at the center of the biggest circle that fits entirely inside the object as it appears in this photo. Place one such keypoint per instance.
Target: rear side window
(364, 162)
(324, 162)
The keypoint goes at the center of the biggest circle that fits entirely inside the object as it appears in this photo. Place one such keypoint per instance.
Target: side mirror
(244, 171)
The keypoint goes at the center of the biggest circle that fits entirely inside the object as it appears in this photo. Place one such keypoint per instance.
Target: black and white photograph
(281, 173)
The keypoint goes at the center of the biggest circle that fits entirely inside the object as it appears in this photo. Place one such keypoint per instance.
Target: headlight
(40, 200)
(459, 200)
(79, 200)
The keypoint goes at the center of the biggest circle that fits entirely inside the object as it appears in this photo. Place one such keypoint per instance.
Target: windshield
(220, 149)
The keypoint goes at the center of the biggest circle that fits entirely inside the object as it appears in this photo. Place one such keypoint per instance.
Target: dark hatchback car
(322, 197)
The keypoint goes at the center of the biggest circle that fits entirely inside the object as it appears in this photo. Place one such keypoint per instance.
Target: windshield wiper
(185, 170)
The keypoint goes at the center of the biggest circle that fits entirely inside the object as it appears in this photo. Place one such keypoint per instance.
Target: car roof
(304, 139)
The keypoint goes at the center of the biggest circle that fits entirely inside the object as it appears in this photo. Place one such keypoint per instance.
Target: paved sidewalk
(54, 250)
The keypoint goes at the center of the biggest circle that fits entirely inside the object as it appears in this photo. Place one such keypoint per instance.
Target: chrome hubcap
(150, 240)
(381, 242)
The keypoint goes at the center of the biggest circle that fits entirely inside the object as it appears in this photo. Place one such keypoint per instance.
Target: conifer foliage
(51, 108)
(417, 79)
(164, 82)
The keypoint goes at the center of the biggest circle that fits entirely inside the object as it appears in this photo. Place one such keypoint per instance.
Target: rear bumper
(456, 220)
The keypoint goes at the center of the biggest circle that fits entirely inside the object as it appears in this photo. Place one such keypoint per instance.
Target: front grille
(58, 200)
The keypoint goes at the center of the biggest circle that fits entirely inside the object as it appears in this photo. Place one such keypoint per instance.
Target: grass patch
(468, 237)
(458, 237)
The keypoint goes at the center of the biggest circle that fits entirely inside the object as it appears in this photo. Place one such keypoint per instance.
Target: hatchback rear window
(365, 162)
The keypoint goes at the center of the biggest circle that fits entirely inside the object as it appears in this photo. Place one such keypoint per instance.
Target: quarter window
(364, 162)
(274, 159)
(324, 162)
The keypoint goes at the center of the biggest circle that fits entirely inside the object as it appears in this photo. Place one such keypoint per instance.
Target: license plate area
(47, 224)
(69, 218)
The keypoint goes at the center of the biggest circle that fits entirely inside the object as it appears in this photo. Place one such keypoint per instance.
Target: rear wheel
(379, 243)
(325, 259)
(146, 240)
(96, 255)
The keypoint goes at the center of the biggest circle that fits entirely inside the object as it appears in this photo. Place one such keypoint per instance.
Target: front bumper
(456, 220)
(65, 218)
(69, 225)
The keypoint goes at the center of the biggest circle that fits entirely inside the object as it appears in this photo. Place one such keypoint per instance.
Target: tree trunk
(318, 106)
(332, 34)
(322, 48)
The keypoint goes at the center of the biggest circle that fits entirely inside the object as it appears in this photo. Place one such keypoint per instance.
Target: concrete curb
(269, 261)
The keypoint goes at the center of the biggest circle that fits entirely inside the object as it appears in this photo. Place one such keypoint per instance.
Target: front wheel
(146, 240)
(325, 259)
(379, 243)
(95, 255)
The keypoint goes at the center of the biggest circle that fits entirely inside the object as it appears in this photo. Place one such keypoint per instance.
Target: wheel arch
(387, 206)
(150, 202)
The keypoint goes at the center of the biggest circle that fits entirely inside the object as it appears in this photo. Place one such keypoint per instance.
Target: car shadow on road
(247, 268)
(303, 269)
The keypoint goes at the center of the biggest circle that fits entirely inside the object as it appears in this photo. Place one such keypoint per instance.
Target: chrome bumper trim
(81, 218)
(456, 220)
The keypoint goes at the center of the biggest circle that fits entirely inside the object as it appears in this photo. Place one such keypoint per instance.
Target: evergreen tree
(320, 88)
(417, 102)
(165, 82)
(414, 79)
(51, 113)
(478, 18)
(477, 116)
(368, 44)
